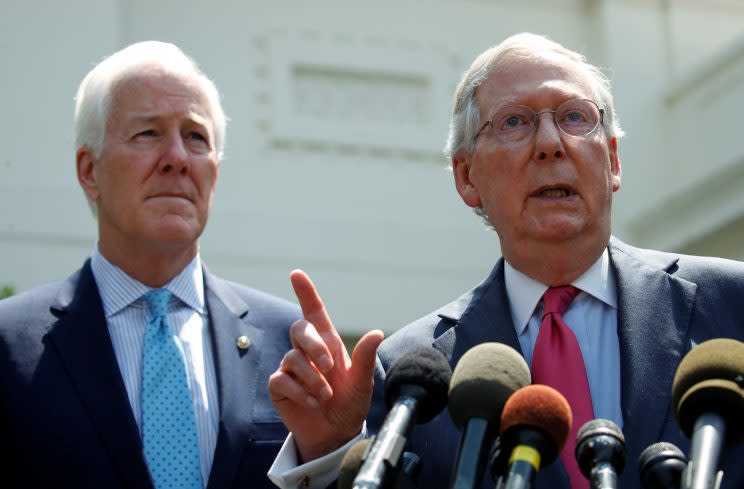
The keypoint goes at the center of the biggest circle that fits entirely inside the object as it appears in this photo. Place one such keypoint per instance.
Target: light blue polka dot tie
(168, 426)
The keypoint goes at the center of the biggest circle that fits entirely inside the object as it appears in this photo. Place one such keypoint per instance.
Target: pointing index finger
(312, 305)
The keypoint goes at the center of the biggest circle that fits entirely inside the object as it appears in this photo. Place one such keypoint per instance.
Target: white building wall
(339, 111)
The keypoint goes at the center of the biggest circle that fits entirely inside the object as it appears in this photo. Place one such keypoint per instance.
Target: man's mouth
(554, 193)
(173, 195)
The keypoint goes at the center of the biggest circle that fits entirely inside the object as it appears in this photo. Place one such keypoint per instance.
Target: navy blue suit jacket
(65, 419)
(666, 304)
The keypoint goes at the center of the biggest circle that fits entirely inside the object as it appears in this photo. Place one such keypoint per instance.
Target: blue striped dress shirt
(592, 316)
(127, 315)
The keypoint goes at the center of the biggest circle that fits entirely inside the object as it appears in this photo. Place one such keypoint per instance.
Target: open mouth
(554, 192)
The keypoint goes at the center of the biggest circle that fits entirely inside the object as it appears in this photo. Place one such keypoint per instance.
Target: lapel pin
(243, 342)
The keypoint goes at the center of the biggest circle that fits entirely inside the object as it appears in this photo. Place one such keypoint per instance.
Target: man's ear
(615, 167)
(86, 174)
(466, 189)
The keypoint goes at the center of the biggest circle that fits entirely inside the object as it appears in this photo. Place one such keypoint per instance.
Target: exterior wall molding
(330, 98)
(694, 212)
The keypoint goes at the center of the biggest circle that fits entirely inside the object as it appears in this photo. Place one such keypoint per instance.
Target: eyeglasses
(515, 123)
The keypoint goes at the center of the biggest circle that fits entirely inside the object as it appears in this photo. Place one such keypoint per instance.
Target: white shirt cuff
(316, 474)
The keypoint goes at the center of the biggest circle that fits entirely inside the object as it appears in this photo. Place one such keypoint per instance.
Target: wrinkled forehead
(540, 82)
(140, 87)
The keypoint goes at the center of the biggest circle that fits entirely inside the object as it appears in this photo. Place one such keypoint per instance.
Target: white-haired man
(143, 369)
(533, 145)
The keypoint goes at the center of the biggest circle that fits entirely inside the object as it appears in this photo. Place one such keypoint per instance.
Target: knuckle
(288, 360)
(298, 326)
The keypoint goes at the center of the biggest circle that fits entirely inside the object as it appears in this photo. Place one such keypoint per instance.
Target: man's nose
(548, 142)
(175, 155)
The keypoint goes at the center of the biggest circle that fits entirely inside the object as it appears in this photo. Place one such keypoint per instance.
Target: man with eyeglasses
(533, 143)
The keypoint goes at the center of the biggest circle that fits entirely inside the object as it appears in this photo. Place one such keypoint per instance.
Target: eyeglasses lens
(575, 117)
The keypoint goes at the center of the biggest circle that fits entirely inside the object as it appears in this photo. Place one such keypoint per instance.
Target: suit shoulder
(21, 307)
(689, 267)
(260, 302)
(423, 331)
(256, 295)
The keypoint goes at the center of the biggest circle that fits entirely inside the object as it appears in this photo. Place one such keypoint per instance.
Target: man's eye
(196, 136)
(574, 117)
(147, 133)
(512, 122)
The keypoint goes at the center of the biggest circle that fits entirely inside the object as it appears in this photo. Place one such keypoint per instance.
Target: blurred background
(338, 114)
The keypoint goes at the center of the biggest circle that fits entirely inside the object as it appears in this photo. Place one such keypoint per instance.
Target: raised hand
(321, 394)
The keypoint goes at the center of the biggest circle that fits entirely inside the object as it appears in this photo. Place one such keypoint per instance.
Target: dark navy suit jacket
(65, 419)
(666, 304)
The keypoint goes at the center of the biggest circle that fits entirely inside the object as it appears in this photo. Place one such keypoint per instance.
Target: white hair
(465, 120)
(94, 95)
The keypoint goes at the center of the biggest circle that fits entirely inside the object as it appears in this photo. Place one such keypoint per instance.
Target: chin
(176, 233)
(564, 229)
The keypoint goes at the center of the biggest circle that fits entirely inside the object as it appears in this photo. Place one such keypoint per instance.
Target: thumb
(364, 355)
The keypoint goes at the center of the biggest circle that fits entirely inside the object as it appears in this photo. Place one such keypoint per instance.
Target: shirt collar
(118, 290)
(525, 293)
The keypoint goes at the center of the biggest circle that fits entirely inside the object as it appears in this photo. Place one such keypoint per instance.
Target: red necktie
(557, 362)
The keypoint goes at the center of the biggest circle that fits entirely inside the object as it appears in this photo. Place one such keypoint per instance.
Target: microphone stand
(709, 434)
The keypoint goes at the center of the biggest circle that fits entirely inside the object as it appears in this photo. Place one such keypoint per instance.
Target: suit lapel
(81, 338)
(237, 373)
(483, 315)
(654, 310)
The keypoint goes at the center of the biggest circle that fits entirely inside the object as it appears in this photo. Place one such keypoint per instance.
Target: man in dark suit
(74, 409)
(533, 145)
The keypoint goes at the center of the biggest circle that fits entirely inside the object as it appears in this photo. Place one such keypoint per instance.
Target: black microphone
(600, 452)
(534, 426)
(708, 400)
(410, 465)
(483, 380)
(498, 462)
(415, 391)
(661, 466)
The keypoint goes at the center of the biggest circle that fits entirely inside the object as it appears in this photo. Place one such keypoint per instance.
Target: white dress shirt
(127, 315)
(592, 316)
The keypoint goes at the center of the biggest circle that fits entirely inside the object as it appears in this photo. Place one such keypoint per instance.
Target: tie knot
(158, 300)
(557, 299)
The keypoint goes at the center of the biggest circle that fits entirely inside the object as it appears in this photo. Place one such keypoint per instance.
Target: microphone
(708, 399)
(482, 381)
(661, 466)
(352, 461)
(415, 391)
(534, 426)
(600, 452)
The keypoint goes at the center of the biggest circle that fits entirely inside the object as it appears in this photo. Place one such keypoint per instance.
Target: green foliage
(7, 291)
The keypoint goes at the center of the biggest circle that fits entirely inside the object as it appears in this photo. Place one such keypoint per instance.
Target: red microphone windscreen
(542, 407)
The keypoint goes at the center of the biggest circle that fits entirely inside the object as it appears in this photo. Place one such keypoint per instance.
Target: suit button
(243, 342)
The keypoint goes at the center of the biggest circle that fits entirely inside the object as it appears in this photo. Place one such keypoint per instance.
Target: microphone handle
(386, 448)
(708, 436)
(521, 475)
(603, 476)
(471, 455)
